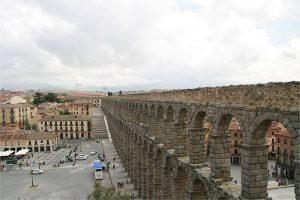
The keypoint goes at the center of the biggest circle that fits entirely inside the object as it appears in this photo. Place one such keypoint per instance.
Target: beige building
(15, 115)
(33, 141)
(17, 100)
(67, 126)
(79, 108)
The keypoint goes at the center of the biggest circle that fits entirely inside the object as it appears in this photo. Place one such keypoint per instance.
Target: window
(278, 140)
(235, 134)
(29, 143)
(241, 134)
(273, 133)
(35, 142)
(292, 143)
(42, 142)
(278, 150)
(235, 143)
(235, 151)
(285, 141)
(47, 141)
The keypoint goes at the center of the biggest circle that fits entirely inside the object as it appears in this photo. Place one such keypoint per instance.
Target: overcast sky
(163, 43)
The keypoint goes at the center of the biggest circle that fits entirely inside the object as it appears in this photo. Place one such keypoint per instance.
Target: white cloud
(141, 42)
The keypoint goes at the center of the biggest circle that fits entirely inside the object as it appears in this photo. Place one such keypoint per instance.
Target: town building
(15, 115)
(33, 141)
(67, 126)
(79, 108)
(236, 139)
(274, 129)
(16, 100)
(285, 153)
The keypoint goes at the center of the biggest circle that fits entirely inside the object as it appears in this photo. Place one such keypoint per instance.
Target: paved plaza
(68, 180)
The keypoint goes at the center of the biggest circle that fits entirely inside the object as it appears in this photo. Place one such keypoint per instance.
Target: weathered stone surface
(175, 167)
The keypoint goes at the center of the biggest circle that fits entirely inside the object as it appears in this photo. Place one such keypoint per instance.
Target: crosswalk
(85, 165)
(77, 165)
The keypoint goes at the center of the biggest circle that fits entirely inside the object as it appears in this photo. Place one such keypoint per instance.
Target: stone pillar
(297, 165)
(157, 178)
(150, 178)
(128, 151)
(144, 172)
(159, 130)
(134, 164)
(180, 185)
(297, 179)
(167, 183)
(220, 157)
(180, 142)
(254, 166)
(169, 135)
(197, 145)
(139, 169)
(151, 127)
(196, 191)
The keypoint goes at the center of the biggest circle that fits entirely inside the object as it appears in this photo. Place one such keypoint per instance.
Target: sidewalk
(118, 174)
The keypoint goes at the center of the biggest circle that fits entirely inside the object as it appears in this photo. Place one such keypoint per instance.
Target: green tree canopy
(106, 193)
(51, 97)
(38, 98)
(27, 125)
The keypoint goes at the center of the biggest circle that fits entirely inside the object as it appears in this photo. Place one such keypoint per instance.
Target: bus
(97, 166)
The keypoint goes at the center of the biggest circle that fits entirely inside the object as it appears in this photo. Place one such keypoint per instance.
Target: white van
(98, 174)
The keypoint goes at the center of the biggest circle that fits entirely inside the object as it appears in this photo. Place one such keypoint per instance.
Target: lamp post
(39, 162)
(32, 180)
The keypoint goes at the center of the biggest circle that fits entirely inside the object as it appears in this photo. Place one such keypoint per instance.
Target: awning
(22, 152)
(97, 164)
(5, 153)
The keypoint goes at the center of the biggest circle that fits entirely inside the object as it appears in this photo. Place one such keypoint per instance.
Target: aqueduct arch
(159, 149)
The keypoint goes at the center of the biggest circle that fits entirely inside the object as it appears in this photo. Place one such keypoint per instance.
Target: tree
(51, 97)
(34, 127)
(38, 98)
(109, 193)
(27, 125)
(64, 112)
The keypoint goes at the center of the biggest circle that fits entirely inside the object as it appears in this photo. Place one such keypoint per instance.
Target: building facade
(33, 141)
(236, 139)
(285, 154)
(67, 126)
(79, 108)
(15, 115)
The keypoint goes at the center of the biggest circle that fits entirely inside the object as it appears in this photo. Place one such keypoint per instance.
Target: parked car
(93, 152)
(36, 171)
(81, 157)
(11, 160)
(101, 157)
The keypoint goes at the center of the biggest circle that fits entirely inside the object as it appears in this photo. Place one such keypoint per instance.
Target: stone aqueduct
(160, 139)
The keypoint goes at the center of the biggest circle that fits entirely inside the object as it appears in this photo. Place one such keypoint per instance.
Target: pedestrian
(113, 166)
(114, 159)
(122, 184)
(127, 182)
(132, 196)
(235, 181)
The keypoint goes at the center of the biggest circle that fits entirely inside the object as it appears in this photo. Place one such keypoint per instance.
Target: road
(67, 181)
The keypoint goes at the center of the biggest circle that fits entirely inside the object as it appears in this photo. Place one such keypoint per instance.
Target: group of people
(120, 184)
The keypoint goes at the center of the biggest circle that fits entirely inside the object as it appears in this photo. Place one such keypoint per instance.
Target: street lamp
(32, 180)
(39, 162)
